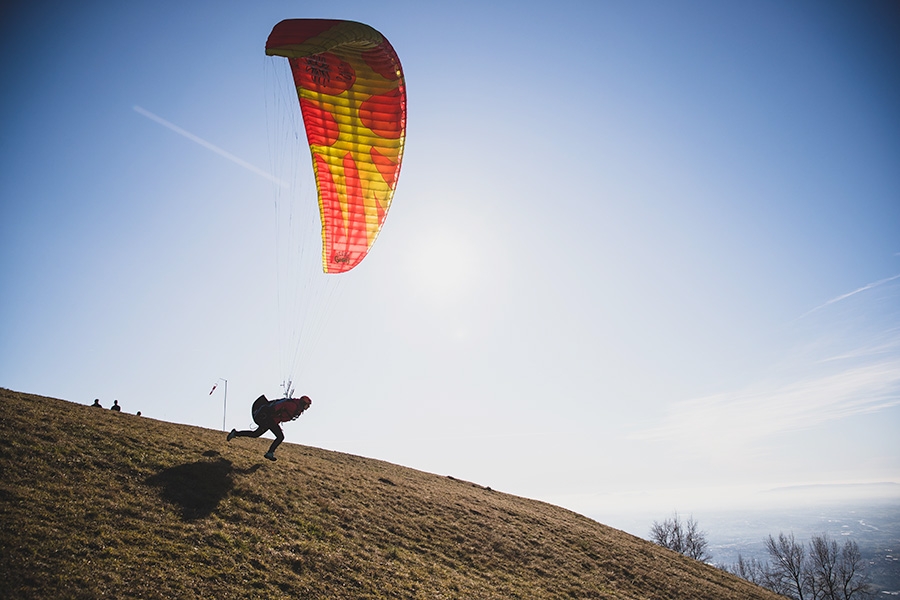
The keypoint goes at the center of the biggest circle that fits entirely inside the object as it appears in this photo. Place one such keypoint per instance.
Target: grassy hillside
(101, 504)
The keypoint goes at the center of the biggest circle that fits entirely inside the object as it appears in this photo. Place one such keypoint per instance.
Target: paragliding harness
(278, 411)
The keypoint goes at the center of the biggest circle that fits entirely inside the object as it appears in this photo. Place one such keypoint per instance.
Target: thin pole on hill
(224, 402)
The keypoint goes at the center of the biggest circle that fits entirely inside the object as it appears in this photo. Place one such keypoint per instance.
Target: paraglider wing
(353, 100)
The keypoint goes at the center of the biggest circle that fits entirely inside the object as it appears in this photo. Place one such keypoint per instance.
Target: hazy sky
(641, 254)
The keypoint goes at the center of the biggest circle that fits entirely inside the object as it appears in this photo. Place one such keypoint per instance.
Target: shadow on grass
(197, 487)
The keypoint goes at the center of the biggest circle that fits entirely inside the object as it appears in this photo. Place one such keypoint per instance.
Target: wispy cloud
(891, 344)
(848, 294)
(746, 416)
(208, 145)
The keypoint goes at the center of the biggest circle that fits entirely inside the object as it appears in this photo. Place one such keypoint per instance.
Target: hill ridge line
(102, 504)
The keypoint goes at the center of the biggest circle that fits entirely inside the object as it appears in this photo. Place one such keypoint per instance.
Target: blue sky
(641, 254)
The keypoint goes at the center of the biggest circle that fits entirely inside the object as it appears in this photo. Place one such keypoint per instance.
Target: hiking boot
(232, 434)
(270, 455)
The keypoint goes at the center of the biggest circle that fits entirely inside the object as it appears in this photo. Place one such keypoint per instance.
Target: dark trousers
(264, 427)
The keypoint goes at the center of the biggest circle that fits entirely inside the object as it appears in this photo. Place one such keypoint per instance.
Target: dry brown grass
(96, 504)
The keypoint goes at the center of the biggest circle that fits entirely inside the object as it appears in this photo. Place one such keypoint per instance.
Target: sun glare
(443, 266)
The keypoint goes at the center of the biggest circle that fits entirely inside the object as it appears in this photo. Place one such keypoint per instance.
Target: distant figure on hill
(115, 406)
(96, 403)
(267, 415)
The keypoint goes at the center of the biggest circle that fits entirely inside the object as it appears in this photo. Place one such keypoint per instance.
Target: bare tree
(836, 574)
(684, 538)
(668, 534)
(825, 573)
(852, 576)
(695, 544)
(752, 570)
(788, 573)
(821, 577)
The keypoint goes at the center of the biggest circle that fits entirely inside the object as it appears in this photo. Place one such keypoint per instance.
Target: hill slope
(101, 504)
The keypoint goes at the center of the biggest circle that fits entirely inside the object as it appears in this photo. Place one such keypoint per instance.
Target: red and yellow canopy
(353, 99)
